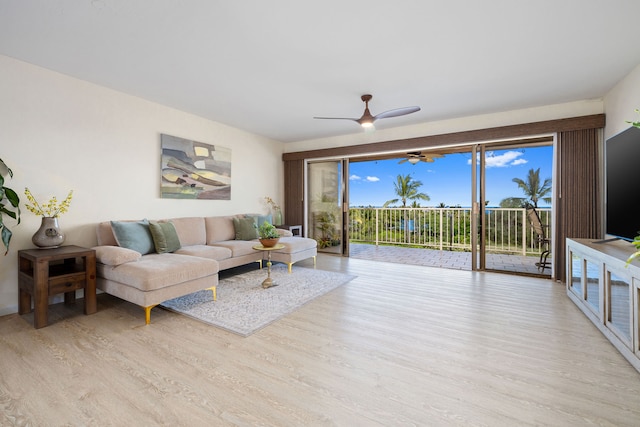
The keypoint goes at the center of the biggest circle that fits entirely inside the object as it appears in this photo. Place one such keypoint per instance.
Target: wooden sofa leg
(289, 264)
(147, 314)
(213, 291)
(259, 263)
(314, 261)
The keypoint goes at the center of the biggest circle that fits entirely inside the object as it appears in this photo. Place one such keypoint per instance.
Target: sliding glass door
(326, 195)
(513, 179)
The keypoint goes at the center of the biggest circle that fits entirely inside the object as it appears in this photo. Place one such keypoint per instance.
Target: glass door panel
(619, 310)
(324, 205)
(513, 178)
(593, 285)
(576, 274)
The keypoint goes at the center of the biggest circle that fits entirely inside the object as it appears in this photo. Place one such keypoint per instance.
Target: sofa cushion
(220, 228)
(115, 255)
(240, 247)
(104, 233)
(204, 251)
(296, 244)
(284, 233)
(134, 235)
(245, 228)
(156, 271)
(191, 231)
(165, 237)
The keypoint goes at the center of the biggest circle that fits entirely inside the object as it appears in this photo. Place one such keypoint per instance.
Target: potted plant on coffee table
(268, 234)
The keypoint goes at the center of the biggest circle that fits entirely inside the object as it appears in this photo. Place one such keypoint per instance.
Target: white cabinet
(607, 290)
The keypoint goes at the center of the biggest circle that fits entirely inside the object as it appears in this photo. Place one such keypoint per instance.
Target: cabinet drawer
(66, 283)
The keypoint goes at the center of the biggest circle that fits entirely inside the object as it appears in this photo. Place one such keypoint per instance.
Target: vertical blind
(578, 198)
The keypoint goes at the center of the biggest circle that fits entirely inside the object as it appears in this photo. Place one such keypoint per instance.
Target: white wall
(621, 102)
(58, 133)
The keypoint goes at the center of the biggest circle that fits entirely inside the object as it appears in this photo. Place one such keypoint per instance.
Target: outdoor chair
(542, 237)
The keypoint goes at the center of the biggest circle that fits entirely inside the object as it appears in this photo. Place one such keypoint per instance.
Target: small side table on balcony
(46, 272)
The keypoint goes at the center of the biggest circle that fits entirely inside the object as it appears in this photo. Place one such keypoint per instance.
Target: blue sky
(448, 180)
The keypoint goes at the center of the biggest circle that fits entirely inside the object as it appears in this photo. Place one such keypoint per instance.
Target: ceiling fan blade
(397, 112)
(337, 118)
(402, 161)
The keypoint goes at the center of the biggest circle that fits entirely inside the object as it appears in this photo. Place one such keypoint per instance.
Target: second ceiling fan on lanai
(417, 156)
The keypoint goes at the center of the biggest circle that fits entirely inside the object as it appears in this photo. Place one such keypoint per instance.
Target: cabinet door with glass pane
(575, 274)
(619, 306)
(594, 287)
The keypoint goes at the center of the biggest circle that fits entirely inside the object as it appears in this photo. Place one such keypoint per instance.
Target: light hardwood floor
(400, 345)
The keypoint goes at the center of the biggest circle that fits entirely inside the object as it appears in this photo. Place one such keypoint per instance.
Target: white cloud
(373, 179)
(509, 158)
(354, 178)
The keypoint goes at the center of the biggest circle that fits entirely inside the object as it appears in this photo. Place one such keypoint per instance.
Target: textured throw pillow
(134, 235)
(245, 228)
(165, 236)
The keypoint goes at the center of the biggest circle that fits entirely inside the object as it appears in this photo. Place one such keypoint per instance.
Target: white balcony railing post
(524, 232)
(377, 227)
(441, 228)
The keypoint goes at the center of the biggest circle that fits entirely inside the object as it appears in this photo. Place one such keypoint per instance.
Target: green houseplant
(268, 234)
(12, 209)
(326, 223)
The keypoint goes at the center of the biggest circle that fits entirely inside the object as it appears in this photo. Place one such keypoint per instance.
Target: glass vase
(277, 217)
(49, 234)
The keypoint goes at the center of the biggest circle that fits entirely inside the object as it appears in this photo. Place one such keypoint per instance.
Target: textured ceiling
(269, 67)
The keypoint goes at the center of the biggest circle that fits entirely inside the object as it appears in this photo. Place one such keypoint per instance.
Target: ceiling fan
(417, 156)
(367, 118)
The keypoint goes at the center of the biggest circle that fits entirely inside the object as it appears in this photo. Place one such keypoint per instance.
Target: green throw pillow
(134, 235)
(165, 236)
(245, 228)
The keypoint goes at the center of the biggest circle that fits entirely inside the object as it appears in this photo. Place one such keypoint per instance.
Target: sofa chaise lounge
(149, 262)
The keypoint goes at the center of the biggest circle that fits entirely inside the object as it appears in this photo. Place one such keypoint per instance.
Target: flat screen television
(622, 173)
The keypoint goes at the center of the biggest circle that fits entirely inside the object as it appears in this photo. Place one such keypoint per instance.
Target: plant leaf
(12, 196)
(6, 238)
(8, 212)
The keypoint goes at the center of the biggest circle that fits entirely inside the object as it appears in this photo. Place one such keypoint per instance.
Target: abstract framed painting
(194, 170)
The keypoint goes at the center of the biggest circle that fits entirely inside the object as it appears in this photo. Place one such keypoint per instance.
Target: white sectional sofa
(149, 262)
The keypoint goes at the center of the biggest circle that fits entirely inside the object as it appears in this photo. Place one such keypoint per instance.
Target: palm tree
(407, 189)
(532, 188)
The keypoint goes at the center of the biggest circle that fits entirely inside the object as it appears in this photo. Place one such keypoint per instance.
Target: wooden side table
(46, 272)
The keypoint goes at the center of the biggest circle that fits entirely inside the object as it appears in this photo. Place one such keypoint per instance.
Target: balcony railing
(507, 231)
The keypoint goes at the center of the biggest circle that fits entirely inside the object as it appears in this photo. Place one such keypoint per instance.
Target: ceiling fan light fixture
(366, 123)
(414, 160)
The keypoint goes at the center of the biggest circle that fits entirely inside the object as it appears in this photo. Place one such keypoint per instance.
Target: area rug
(243, 306)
